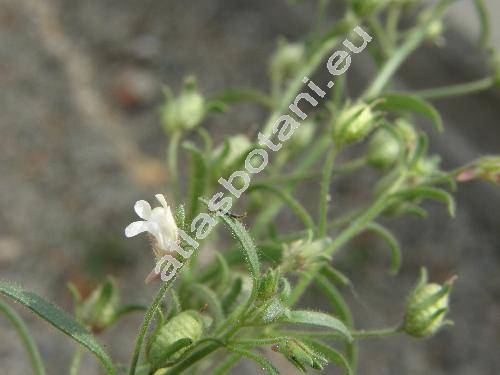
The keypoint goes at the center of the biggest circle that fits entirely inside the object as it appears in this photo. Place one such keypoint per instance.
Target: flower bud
(98, 311)
(186, 111)
(236, 148)
(354, 123)
(287, 59)
(384, 150)
(302, 136)
(365, 7)
(300, 355)
(302, 254)
(407, 133)
(186, 325)
(426, 307)
(435, 29)
(427, 166)
(486, 168)
(268, 285)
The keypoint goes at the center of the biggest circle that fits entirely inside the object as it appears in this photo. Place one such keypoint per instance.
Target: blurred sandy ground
(80, 142)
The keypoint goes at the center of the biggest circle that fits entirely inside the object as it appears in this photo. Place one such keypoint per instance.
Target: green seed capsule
(187, 324)
(300, 355)
(186, 111)
(426, 307)
(384, 150)
(354, 123)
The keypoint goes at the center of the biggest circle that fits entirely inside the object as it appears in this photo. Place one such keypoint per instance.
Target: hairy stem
(325, 191)
(26, 339)
(456, 90)
(148, 317)
(402, 53)
(357, 226)
(75, 361)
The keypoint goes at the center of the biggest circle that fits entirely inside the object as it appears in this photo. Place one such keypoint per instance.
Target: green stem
(456, 90)
(75, 361)
(296, 84)
(325, 191)
(271, 211)
(227, 364)
(26, 339)
(193, 358)
(392, 23)
(148, 317)
(376, 333)
(357, 226)
(402, 53)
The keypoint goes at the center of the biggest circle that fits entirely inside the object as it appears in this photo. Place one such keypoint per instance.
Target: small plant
(242, 304)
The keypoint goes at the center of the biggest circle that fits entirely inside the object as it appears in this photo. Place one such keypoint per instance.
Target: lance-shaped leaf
(231, 296)
(26, 339)
(483, 14)
(261, 360)
(407, 103)
(222, 272)
(331, 355)
(172, 349)
(391, 241)
(335, 298)
(59, 319)
(198, 178)
(247, 246)
(208, 296)
(335, 276)
(423, 192)
(245, 95)
(320, 319)
(287, 198)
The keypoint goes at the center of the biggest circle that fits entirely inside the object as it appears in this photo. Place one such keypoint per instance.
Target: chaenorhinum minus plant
(242, 304)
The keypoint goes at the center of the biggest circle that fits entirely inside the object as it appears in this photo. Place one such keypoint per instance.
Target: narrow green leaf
(222, 272)
(208, 296)
(261, 360)
(335, 298)
(335, 276)
(483, 14)
(171, 349)
(247, 246)
(409, 104)
(331, 354)
(245, 95)
(175, 304)
(231, 296)
(427, 192)
(226, 365)
(198, 178)
(207, 139)
(287, 198)
(26, 339)
(59, 319)
(420, 151)
(391, 241)
(320, 319)
(127, 309)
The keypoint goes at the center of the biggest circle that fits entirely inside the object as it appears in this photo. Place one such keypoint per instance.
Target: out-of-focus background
(80, 141)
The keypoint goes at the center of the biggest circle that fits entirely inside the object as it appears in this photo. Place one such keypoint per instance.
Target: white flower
(159, 222)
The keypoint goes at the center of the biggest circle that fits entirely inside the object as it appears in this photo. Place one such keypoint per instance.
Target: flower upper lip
(159, 222)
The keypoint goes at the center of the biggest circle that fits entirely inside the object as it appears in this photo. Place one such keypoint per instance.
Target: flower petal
(135, 228)
(171, 224)
(162, 200)
(142, 209)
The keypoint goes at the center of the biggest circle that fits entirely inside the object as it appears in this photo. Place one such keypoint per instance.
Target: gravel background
(80, 141)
